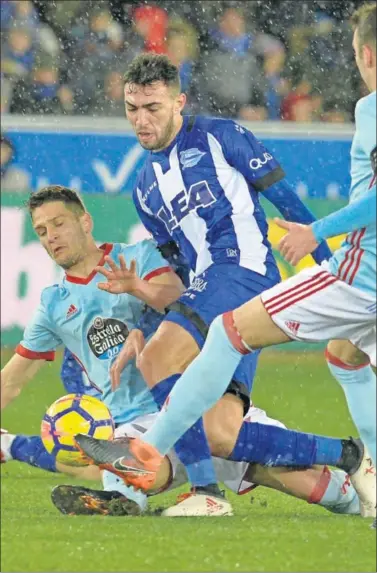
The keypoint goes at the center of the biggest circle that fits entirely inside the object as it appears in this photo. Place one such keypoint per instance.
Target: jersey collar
(106, 248)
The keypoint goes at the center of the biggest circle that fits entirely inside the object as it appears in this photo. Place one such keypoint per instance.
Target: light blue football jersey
(94, 324)
(355, 261)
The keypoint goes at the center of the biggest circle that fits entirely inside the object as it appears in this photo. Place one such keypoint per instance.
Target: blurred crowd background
(253, 60)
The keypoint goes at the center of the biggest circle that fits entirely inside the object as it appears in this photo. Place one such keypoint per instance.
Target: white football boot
(6, 440)
(199, 504)
(364, 482)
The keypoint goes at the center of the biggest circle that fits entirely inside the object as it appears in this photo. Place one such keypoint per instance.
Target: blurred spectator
(23, 14)
(232, 78)
(42, 93)
(13, 179)
(151, 23)
(111, 101)
(182, 50)
(99, 48)
(21, 11)
(258, 60)
(298, 105)
(18, 54)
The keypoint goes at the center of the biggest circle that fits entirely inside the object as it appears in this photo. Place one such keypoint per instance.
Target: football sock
(335, 492)
(197, 390)
(30, 450)
(192, 447)
(273, 446)
(359, 385)
(112, 483)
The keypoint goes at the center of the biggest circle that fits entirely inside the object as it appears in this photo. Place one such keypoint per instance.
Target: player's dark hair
(364, 19)
(56, 193)
(147, 69)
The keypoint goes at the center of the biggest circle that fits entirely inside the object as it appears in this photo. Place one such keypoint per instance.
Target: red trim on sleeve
(26, 353)
(340, 364)
(106, 248)
(157, 272)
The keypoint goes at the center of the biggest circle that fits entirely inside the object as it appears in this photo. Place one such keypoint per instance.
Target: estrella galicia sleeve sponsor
(250, 157)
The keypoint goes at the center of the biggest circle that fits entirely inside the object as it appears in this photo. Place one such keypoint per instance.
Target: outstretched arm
(15, 375)
(356, 215)
(303, 239)
(289, 204)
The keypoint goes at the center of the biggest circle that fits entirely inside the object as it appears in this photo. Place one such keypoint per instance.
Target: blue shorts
(221, 288)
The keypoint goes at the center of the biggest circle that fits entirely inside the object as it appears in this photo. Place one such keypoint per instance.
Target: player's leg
(208, 296)
(351, 368)
(26, 449)
(224, 349)
(329, 488)
(30, 450)
(251, 442)
(162, 362)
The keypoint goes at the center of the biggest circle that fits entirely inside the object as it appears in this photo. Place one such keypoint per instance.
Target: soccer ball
(70, 415)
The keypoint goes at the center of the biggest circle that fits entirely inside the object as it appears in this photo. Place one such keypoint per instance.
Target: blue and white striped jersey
(202, 192)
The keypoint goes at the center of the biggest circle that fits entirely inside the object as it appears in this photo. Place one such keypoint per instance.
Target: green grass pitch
(269, 532)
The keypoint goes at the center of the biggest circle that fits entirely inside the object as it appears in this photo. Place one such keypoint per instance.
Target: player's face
(62, 232)
(154, 112)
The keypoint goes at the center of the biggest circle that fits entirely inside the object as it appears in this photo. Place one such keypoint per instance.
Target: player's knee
(345, 353)
(222, 424)
(168, 352)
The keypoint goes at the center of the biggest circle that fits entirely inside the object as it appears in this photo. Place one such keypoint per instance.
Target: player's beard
(165, 138)
(72, 261)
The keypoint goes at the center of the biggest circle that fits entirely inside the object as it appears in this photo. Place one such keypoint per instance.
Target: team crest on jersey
(191, 157)
(106, 337)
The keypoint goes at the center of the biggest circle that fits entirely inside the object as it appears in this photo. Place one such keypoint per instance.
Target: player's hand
(119, 279)
(297, 243)
(131, 349)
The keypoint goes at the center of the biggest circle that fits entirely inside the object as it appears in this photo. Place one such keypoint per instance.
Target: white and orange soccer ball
(70, 415)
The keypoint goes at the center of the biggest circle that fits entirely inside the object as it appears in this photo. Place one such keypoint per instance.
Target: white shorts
(228, 472)
(315, 306)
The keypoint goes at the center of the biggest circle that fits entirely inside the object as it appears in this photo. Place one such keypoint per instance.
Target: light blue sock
(192, 448)
(112, 483)
(359, 386)
(197, 390)
(339, 496)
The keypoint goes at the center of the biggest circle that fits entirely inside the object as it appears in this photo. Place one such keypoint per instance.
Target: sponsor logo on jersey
(198, 285)
(191, 157)
(232, 253)
(71, 311)
(106, 337)
(257, 162)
